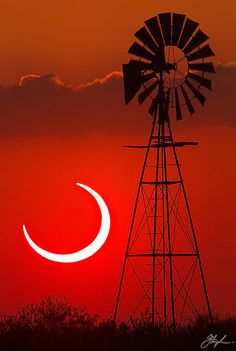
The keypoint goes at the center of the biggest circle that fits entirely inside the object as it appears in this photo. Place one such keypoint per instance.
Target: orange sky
(81, 40)
(52, 136)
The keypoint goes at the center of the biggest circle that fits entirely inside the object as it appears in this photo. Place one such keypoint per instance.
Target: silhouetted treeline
(54, 325)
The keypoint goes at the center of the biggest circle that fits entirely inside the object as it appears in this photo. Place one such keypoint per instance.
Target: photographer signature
(212, 340)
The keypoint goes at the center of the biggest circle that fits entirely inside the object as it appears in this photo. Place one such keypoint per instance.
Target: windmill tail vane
(162, 264)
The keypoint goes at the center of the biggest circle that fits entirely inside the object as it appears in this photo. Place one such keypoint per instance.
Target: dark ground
(54, 325)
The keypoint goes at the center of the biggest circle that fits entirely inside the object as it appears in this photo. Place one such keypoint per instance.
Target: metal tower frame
(160, 211)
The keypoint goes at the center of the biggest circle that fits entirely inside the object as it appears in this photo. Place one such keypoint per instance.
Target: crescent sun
(88, 250)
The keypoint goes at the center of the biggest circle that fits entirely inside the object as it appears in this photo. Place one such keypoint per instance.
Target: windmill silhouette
(168, 68)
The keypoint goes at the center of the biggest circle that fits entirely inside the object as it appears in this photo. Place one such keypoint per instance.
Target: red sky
(53, 135)
(81, 40)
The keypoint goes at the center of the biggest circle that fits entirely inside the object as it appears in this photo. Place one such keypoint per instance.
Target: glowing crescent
(88, 250)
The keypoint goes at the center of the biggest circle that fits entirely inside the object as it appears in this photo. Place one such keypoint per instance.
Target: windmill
(167, 71)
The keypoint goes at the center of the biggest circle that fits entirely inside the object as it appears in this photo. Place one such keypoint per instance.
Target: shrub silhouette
(53, 314)
(55, 325)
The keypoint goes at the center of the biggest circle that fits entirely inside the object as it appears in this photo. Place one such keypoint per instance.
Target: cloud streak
(99, 81)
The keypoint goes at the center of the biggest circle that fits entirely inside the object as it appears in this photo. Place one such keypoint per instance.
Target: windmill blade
(187, 101)
(132, 82)
(201, 98)
(188, 30)
(147, 77)
(142, 66)
(154, 29)
(203, 81)
(204, 67)
(143, 35)
(178, 21)
(142, 97)
(177, 104)
(140, 51)
(202, 53)
(165, 22)
(149, 62)
(154, 106)
(196, 41)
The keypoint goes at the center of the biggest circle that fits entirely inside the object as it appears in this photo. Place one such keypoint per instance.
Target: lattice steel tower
(162, 255)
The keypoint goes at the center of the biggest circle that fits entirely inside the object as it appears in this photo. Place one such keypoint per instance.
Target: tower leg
(192, 226)
(168, 228)
(133, 218)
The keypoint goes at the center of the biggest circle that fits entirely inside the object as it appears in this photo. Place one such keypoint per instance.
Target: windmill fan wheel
(171, 52)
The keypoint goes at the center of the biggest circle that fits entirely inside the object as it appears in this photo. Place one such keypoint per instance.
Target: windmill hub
(158, 66)
(170, 66)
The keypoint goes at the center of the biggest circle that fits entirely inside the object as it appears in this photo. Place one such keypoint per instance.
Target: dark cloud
(44, 106)
(222, 103)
